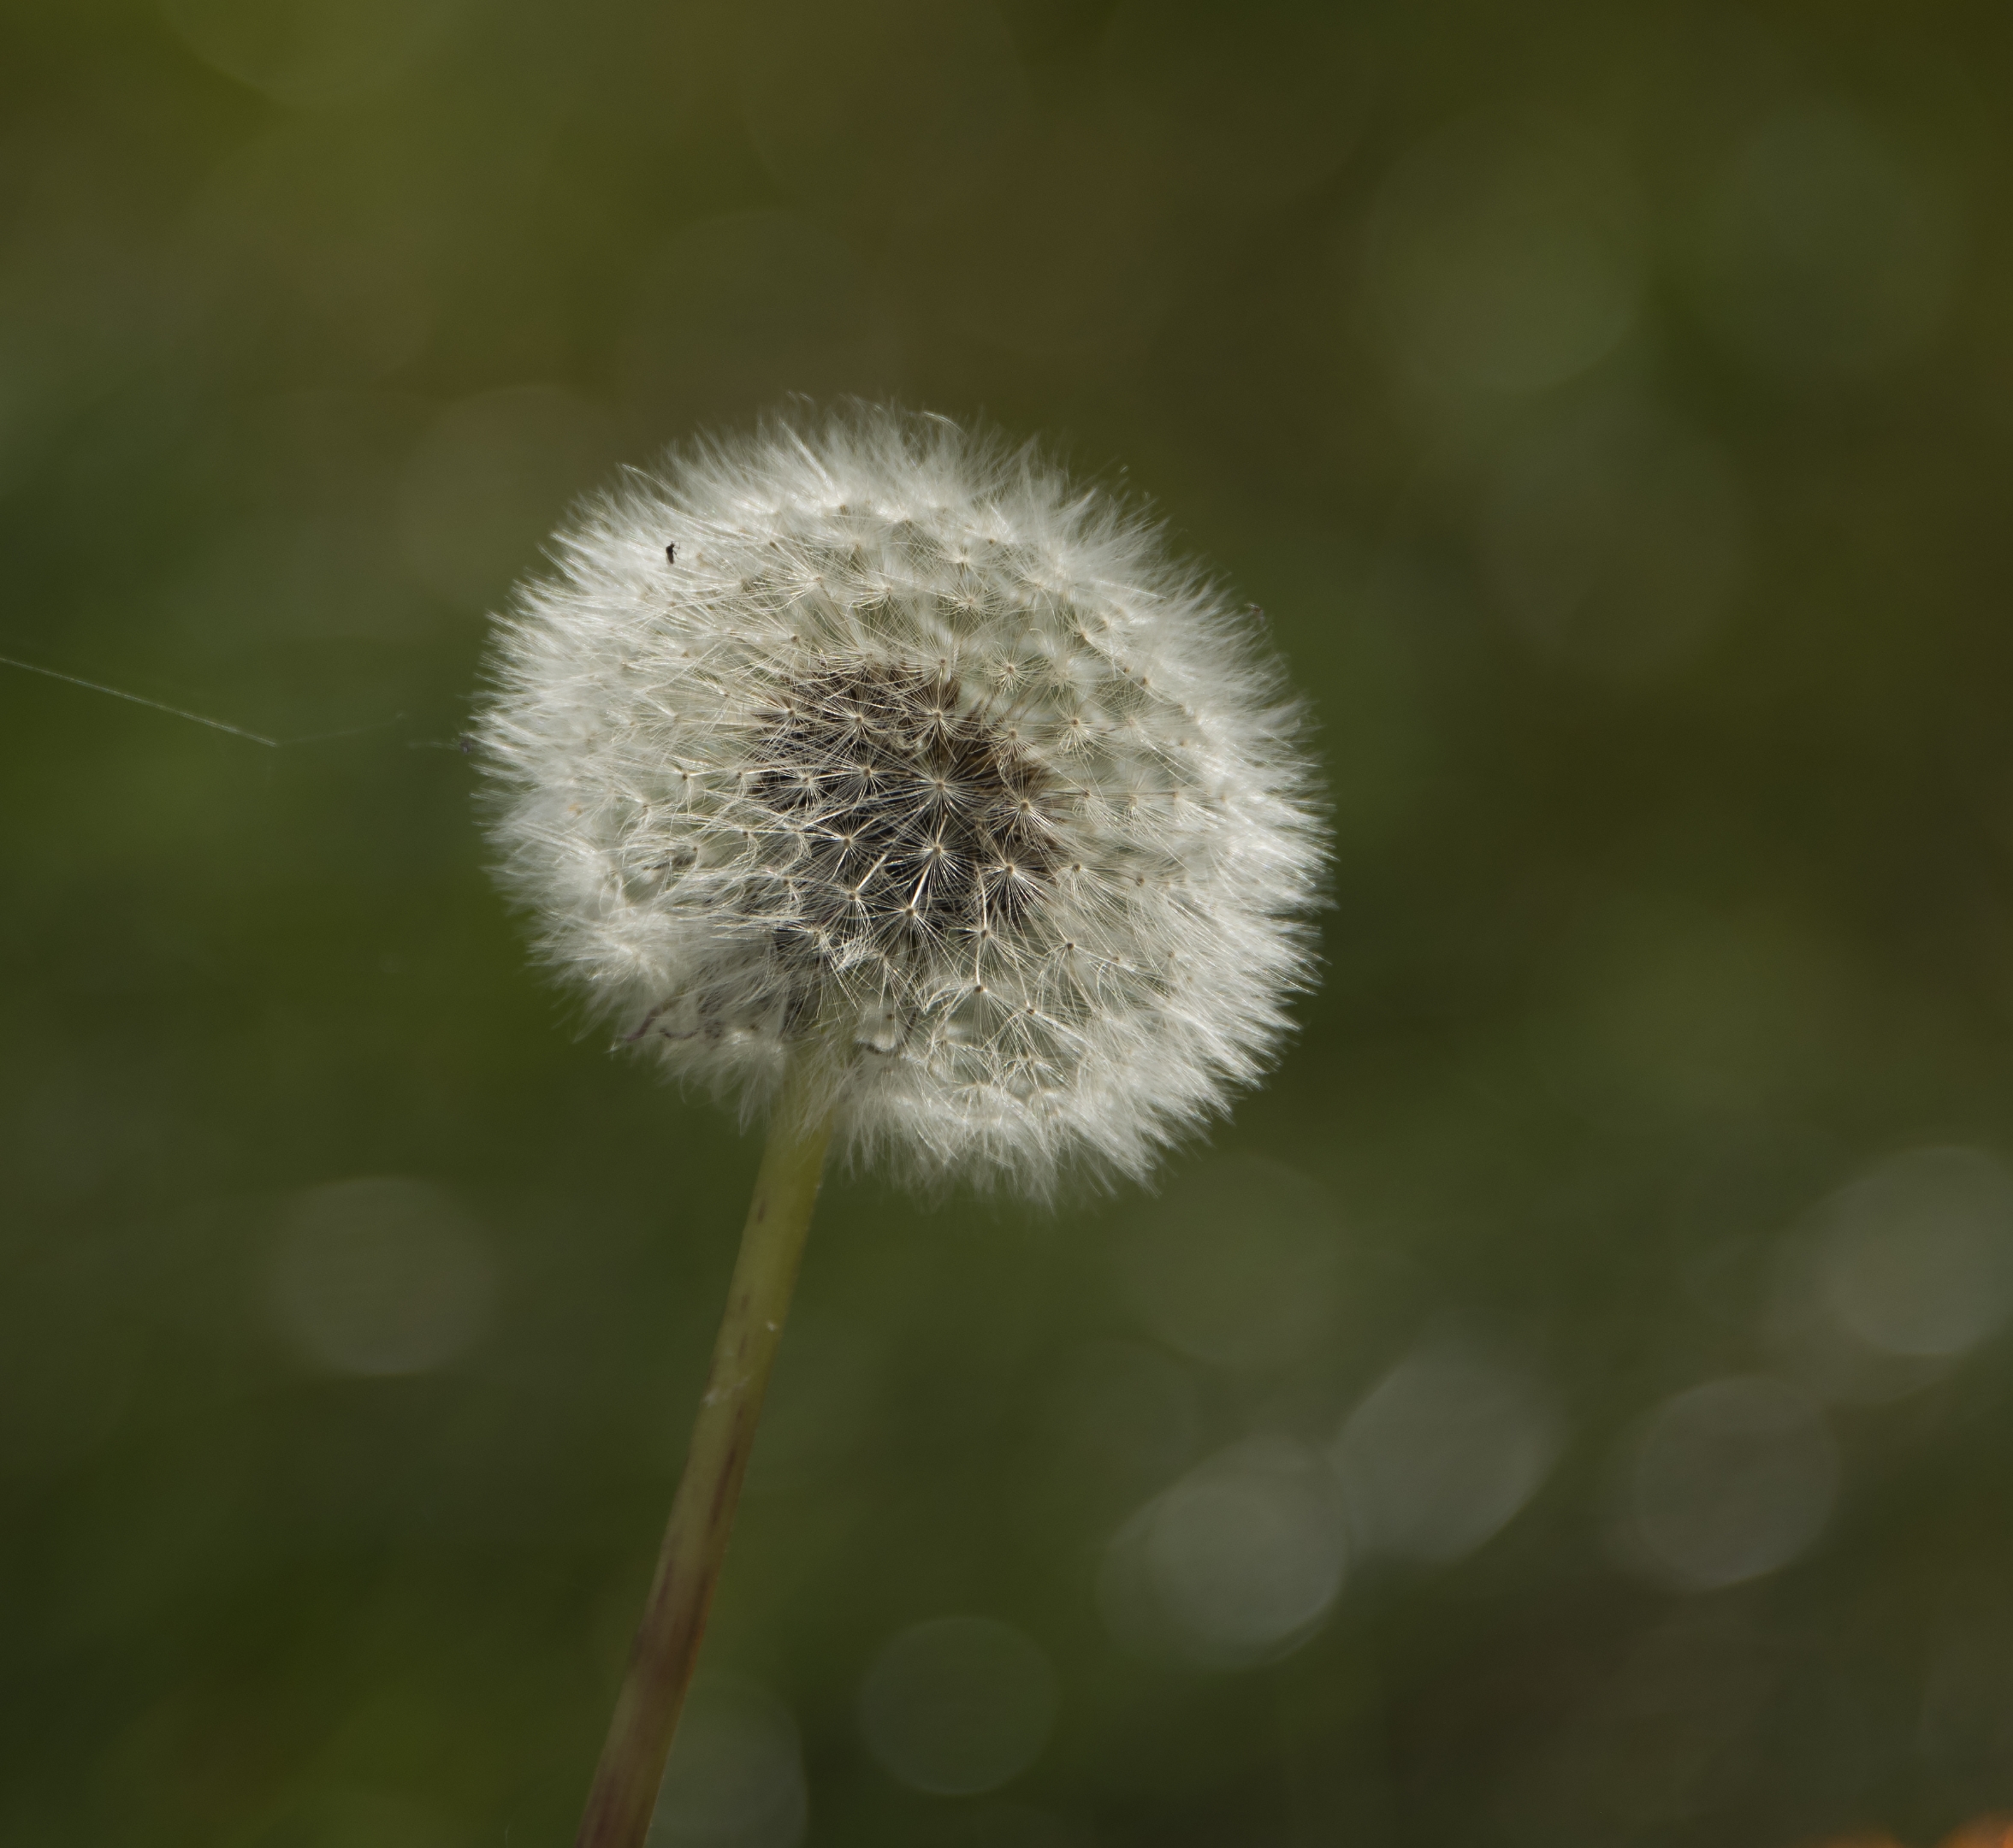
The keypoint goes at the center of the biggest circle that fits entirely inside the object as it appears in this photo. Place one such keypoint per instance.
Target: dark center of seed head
(919, 821)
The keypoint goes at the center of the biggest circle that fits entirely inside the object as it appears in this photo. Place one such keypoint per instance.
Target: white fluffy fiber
(920, 765)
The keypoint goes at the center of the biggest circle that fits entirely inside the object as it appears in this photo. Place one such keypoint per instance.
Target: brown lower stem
(666, 1646)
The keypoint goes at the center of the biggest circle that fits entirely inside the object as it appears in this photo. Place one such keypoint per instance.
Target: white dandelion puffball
(872, 745)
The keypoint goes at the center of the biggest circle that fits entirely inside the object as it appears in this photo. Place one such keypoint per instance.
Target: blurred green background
(1569, 1405)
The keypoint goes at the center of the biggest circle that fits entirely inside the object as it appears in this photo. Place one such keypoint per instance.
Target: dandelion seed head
(920, 765)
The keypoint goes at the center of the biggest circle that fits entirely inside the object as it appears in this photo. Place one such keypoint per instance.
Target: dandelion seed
(928, 808)
(866, 785)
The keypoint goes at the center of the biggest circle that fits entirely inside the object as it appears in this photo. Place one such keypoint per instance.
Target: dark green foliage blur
(1611, 409)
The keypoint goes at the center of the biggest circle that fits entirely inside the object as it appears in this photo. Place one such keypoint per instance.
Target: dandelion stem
(666, 1646)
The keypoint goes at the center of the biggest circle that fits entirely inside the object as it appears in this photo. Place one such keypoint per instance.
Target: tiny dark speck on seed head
(671, 552)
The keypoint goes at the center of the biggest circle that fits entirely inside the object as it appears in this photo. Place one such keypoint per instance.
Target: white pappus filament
(870, 743)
